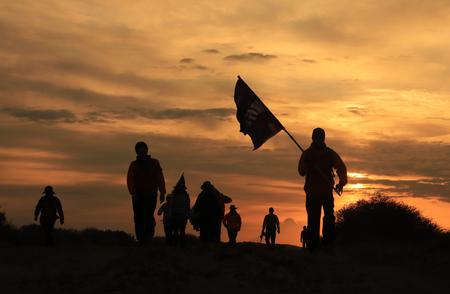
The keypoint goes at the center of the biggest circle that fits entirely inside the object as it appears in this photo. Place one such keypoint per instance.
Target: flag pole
(293, 140)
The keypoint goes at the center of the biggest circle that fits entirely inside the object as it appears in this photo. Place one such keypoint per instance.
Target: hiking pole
(315, 166)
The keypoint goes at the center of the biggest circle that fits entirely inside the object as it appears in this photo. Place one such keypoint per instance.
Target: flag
(255, 118)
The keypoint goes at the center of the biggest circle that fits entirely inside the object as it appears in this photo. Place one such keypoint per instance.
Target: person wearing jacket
(144, 179)
(179, 212)
(270, 228)
(209, 210)
(49, 209)
(317, 164)
(232, 222)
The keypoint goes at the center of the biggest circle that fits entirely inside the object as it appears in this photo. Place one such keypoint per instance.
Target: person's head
(141, 148)
(318, 135)
(48, 191)
(233, 208)
(206, 185)
(271, 210)
(304, 227)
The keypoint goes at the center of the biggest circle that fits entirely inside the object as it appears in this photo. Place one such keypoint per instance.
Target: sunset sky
(82, 81)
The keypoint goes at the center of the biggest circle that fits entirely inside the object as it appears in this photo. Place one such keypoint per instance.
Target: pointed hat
(181, 183)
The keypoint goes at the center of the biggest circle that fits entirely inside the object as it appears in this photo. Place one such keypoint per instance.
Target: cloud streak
(251, 56)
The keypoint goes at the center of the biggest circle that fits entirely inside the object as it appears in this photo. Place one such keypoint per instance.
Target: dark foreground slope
(246, 268)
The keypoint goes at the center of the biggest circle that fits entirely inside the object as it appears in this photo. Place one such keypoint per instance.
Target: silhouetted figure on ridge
(304, 236)
(144, 179)
(164, 210)
(232, 222)
(270, 228)
(208, 211)
(179, 212)
(319, 187)
(50, 209)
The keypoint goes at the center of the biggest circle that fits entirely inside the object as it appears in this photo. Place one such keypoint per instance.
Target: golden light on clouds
(81, 82)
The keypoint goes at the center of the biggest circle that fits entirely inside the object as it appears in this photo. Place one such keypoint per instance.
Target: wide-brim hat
(232, 207)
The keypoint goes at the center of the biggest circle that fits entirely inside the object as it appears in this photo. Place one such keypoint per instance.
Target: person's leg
(273, 237)
(182, 232)
(267, 238)
(217, 231)
(150, 215)
(328, 220)
(232, 236)
(138, 215)
(313, 208)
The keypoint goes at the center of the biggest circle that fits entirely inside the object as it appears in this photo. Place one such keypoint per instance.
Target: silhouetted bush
(2, 219)
(381, 217)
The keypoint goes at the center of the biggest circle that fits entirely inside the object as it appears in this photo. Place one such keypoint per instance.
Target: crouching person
(232, 221)
(50, 209)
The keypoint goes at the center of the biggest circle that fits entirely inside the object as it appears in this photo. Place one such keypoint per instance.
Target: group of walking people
(145, 180)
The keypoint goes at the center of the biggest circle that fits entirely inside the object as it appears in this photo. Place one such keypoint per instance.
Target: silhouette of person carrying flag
(316, 161)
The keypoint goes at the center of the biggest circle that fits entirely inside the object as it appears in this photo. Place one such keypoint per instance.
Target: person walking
(49, 208)
(232, 222)
(179, 212)
(209, 210)
(316, 164)
(144, 179)
(304, 237)
(270, 228)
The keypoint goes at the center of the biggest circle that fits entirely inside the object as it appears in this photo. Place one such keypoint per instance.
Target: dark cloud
(187, 60)
(200, 67)
(41, 115)
(179, 113)
(105, 116)
(211, 50)
(309, 60)
(251, 56)
(356, 110)
(438, 118)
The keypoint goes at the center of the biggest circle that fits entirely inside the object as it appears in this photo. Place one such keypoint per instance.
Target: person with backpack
(317, 164)
(144, 179)
(50, 209)
(179, 212)
(209, 210)
(232, 222)
(270, 228)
